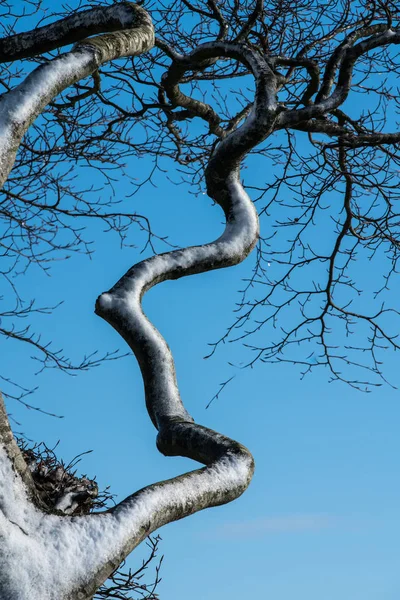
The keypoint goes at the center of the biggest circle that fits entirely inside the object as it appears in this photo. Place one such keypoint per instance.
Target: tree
(297, 64)
(58, 488)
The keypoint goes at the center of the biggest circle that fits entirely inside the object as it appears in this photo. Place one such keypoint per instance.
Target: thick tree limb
(20, 107)
(81, 552)
(93, 545)
(72, 29)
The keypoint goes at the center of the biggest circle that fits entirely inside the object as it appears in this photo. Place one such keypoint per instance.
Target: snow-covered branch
(56, 553)
(74, 28)
(20, 106)
(79, 553)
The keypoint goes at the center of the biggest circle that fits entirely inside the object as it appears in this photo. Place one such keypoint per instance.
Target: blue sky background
(320, 519)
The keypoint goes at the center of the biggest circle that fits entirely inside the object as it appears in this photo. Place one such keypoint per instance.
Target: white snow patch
(67, 503)
(44, 557)
(229, 473)
(242, 232)
(23, 103)
(239, 237)
(19, 107)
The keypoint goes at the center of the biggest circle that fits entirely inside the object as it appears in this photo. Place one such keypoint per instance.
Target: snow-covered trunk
(53, 556)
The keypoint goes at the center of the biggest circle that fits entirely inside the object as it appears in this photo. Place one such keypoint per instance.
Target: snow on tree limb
(83, 551)
(77, 553)
(71, 29)
(20, 107)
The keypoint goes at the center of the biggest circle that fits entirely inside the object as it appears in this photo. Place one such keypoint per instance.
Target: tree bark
(55, 556)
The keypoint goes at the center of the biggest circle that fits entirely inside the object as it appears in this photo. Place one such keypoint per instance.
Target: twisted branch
(74, 28)
(20, 107)
(229, 465)
(92, 546)
(85, 550)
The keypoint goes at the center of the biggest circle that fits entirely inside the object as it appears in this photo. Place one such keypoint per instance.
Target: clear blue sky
(320, 520)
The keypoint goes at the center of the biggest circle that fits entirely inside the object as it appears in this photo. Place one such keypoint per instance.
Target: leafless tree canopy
(328, 201)
(309, 88)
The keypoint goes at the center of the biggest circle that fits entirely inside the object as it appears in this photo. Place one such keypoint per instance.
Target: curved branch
(339, 53)
(247, 27)
(312, 68)
(210, 52)
(229, 465)
(92, 546)
(20, 107)
(73, 28)
(345, 60)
